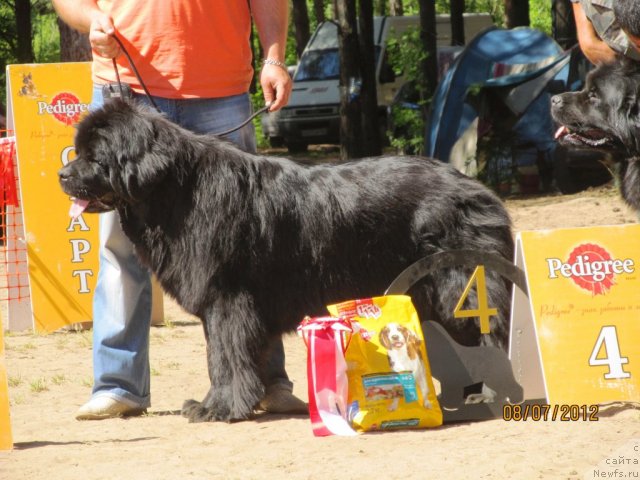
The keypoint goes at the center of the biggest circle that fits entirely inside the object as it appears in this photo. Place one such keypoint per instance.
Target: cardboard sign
(476, 382)
(45, 102)
(6, 441)
(576, 342)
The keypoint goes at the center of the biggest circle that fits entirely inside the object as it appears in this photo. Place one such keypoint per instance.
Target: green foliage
(46, 37)
(408, 133)
(494, 7)
(404, 60)
(408, 124)
(7, 45)
(540, 15)
(257, 99)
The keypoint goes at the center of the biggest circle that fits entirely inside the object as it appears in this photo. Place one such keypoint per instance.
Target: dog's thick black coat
(252, 244)
(605, 115)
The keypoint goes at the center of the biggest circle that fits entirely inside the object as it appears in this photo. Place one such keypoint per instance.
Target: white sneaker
(102, 407)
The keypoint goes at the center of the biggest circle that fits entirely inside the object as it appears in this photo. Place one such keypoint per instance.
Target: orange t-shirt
(181, 48)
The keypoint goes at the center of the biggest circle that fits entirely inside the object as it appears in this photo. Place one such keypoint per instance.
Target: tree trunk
(516, 13)
(370, 117)
(457, 22)
(563, 23)
(318, 10)
(428, 41)
(350, 80)
(395, 7)
(74, 46)
(24, 52)
(301, 25)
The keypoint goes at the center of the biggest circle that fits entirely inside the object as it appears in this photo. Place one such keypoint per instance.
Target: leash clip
(117, 90)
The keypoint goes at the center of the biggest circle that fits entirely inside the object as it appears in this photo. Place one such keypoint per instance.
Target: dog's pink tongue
(561, 132)
(77, 207)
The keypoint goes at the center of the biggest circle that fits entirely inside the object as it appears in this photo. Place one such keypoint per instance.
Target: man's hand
(276, 86)
(101, 38)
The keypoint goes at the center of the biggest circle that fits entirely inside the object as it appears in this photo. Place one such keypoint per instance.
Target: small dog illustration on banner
(28, 88)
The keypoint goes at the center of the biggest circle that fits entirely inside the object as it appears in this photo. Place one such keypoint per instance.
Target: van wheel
(297, 147)
(276, 142)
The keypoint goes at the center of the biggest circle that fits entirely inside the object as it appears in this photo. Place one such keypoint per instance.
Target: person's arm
(593, 47)
(86, 17)
(272, 19)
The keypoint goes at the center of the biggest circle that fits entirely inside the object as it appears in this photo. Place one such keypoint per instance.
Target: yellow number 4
(483, 312)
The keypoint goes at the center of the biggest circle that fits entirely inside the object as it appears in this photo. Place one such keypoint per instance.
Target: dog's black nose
(556, 100)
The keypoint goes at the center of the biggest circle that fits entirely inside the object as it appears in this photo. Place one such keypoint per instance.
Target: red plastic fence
(14, 281)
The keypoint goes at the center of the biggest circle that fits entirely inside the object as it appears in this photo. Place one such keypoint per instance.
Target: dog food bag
(390, 383)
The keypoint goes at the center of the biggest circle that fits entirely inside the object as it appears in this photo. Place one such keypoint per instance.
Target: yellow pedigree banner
(46, 101)
(584, 287)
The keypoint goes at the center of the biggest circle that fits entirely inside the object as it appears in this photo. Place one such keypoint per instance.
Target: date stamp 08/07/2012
(545, 412)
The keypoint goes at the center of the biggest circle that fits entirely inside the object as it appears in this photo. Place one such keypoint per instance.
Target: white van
(312, 115)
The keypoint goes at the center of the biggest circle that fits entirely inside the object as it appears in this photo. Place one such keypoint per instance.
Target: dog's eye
(100, 162)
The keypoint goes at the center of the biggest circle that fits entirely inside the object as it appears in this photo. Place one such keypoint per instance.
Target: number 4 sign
(575, 340)
(608, 339)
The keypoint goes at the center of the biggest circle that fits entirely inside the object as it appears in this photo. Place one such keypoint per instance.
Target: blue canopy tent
(500, 79)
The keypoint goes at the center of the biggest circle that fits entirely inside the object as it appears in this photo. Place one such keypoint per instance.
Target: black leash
(150, 98)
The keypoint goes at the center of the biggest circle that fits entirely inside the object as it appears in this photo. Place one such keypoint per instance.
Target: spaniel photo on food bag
(403, 351)
(390, 383)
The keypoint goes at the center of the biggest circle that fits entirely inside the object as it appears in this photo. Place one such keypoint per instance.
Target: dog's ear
(384, 338)
(413, 344)
(140, 161)
(139, 177)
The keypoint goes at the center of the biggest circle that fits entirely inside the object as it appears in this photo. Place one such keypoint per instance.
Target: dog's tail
(483, 227)
(437, 296)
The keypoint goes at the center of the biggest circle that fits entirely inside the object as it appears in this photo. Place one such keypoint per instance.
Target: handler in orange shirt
(195, 59)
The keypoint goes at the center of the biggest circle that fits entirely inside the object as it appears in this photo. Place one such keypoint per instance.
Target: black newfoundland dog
(252, 244)
(605, 115)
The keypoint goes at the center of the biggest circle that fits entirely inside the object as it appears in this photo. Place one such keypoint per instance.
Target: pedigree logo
(591, 267)
(368, 310)
(65, 107)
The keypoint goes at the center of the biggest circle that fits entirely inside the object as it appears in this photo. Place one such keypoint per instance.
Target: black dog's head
(118, 160)
(604, 115)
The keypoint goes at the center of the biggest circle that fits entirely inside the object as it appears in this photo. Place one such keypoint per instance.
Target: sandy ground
(50, 377)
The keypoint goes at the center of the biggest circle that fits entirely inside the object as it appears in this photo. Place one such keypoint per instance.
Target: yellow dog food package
(390, 384)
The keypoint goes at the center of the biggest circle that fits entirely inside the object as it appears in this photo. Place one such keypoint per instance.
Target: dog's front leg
(235, 345)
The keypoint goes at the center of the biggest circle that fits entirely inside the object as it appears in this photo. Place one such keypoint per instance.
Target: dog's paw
(198, 412)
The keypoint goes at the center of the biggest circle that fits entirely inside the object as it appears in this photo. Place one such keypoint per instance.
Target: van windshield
(318, 65)
(322, 65)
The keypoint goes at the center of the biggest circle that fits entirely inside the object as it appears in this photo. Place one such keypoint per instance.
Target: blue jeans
(122, 298)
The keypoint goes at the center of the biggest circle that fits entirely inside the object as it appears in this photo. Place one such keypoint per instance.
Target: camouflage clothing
(600, 13)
